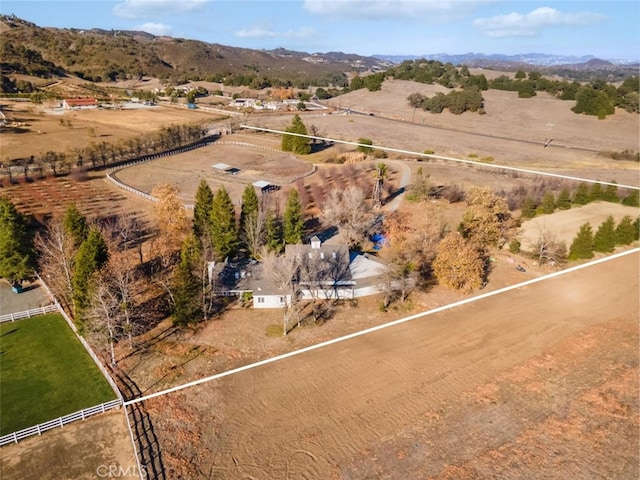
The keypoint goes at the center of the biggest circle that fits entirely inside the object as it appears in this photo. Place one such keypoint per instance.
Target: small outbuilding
(265, 187)
(79, 103)
(224, 168)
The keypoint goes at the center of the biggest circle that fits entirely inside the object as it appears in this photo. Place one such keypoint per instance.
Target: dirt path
(531, 383)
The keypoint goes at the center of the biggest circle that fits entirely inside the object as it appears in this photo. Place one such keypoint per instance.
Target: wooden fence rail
(15, 437)
(12, 317)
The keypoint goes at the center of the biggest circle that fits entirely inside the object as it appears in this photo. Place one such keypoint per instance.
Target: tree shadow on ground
(146, 440)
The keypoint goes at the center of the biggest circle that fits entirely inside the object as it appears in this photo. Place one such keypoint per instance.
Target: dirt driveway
(539, 382)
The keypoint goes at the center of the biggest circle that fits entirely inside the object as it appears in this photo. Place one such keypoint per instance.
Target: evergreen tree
(75, 224)
(610, 193)
(596, 192)
(250, 207)
(548, 203)
(273, 233)
(593, 102)
(92, 255)
(564, 199)
(224, 231)
(186, 307)
(581, 197)
(582, 245)
(636, 226)
(202, 209)
(605, 238)
(632, 199)
(294, 143)
(16, 243)
(528, 208)
(293, 228)
(625, 231)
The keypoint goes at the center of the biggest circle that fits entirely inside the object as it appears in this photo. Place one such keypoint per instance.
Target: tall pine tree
(605, 238)
(224, 231)
(75, 224)
(16, 244)
(293, 228)
(564, 199)
(187, 305)
(294, 143)
(610, 193)
(581, 197)
(273, 232)
(249, 210)
(625, 231)
(202, 210)
(582, 245)
(92, 255)
(596, 192)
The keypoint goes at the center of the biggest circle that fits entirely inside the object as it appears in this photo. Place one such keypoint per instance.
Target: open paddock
(253, 162)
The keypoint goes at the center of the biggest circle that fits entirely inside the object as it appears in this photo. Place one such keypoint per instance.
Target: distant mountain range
(98, 55)
(536, 59)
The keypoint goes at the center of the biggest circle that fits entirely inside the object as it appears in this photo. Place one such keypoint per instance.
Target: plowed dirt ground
(539, 382)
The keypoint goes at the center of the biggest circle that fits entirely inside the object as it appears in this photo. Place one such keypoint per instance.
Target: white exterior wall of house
(268, 301)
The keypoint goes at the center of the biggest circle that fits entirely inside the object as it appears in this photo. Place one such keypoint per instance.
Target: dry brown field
(80, 451)
(539, 382)
(564, 225)
(44, 129)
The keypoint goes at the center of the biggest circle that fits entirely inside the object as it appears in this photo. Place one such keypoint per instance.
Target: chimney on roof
(315, 242)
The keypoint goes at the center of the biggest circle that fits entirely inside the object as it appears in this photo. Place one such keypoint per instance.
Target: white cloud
(158, 29)
(422, 10)
(262, 32)
(530, 24)
(156, 8)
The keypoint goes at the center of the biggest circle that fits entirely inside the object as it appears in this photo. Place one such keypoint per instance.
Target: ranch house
(324, 272)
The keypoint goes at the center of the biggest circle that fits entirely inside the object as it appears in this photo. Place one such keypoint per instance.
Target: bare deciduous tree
(283, 271)
(548, 249)
(57, 251)
(350, 211)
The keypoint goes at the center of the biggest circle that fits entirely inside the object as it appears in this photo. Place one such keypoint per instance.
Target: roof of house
(80, 102)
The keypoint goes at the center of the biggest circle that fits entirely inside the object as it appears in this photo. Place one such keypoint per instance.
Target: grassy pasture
(45, 373)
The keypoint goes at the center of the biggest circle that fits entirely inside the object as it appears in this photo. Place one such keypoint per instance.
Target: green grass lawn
(45, 373)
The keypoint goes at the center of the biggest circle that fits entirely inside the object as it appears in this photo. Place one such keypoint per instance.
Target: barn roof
(80, 102)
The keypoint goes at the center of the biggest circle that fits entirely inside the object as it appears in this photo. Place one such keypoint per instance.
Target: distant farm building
(79, 103)
(224, 168)
(265, 187)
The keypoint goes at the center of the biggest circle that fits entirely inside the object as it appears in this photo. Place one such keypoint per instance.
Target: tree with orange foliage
(459, 264)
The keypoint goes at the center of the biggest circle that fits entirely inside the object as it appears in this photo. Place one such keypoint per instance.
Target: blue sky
(606, 29)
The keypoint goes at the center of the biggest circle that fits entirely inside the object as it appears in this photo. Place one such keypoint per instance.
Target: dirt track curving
(537, 382)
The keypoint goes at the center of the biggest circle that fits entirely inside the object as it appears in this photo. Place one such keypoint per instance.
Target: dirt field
(81, 450)
(541, 382)
(565, 224)
(44, 130)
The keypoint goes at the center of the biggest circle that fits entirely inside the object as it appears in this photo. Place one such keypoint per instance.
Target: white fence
(12, 317)
(15, 437)
(80, 415)
(91, 353)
